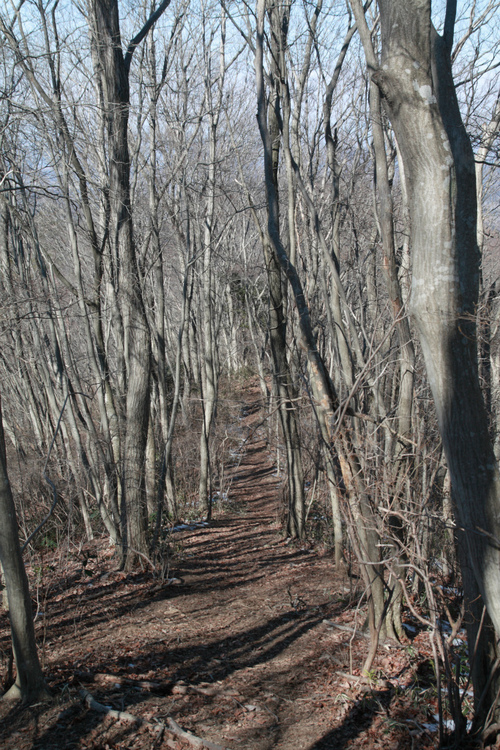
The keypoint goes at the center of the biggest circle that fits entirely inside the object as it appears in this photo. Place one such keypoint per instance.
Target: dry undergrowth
(238, 649)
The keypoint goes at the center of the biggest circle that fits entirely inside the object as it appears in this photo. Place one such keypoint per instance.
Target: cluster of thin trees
(305, 191)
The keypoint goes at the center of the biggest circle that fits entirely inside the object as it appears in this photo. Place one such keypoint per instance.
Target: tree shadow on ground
(208, 569)
(213, 660)
(358, 720)
(194, 664)
(70, 725)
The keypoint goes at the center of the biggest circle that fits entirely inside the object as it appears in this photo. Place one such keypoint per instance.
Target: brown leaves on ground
(235, 649)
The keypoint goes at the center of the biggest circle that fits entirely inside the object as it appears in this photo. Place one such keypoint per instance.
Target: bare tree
(114, 71)
(30, 683)
(416, 82)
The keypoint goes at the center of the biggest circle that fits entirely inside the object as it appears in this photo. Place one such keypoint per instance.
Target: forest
(250, 374)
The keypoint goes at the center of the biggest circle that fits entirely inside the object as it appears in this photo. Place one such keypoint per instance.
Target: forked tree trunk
(114, 69)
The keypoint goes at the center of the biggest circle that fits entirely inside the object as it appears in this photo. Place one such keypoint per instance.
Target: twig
(48, 480)
(45, 475)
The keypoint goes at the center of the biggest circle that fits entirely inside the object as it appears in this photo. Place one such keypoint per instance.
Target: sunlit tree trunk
(396, 450)
(114, 71)
(208, 344)
(416, 81)
(270, 132)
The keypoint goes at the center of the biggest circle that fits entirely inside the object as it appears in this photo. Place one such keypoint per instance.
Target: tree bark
(114, 69)
(416, 81)
(275, 259)
(30, 683)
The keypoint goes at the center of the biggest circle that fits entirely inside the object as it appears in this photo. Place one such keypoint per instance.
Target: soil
(247, 640)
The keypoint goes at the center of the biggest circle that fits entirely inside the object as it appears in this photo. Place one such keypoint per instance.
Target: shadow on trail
(80, 720)
(216, 659)
(219, 659)
(101, 610)
(211, 572)
(357, 721)
(194, 664)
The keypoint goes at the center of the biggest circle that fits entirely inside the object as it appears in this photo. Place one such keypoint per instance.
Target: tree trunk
(114, 69)
(270, 132)
(209, 371)
(29, 684)
(416, 82)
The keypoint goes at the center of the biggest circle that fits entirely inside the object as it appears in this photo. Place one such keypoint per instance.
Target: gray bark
(30, 683)
(416, 81)
(275, 259)
(114, 70)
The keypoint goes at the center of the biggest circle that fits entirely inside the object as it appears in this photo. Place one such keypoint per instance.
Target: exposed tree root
(36, 696)
(345, 628)
(177, 688)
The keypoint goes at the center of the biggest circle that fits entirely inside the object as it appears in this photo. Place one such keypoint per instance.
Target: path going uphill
(232, 646)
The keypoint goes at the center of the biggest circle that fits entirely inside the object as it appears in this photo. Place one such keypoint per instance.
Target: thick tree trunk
(397, 459)
(416, 82)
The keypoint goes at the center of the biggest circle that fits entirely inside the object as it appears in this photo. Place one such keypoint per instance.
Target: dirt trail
(250, 613)
(236, 651)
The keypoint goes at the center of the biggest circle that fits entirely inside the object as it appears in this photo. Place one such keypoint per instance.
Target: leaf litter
(234, 649)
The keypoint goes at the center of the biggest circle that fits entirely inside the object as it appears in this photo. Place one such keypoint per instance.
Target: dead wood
(100, 708)
(132, 719)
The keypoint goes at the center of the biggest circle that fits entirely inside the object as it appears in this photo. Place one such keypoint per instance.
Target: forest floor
(247, 641)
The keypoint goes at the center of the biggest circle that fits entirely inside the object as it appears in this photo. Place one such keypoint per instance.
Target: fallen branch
(198, 742)
(177, 688)
(119, 715)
